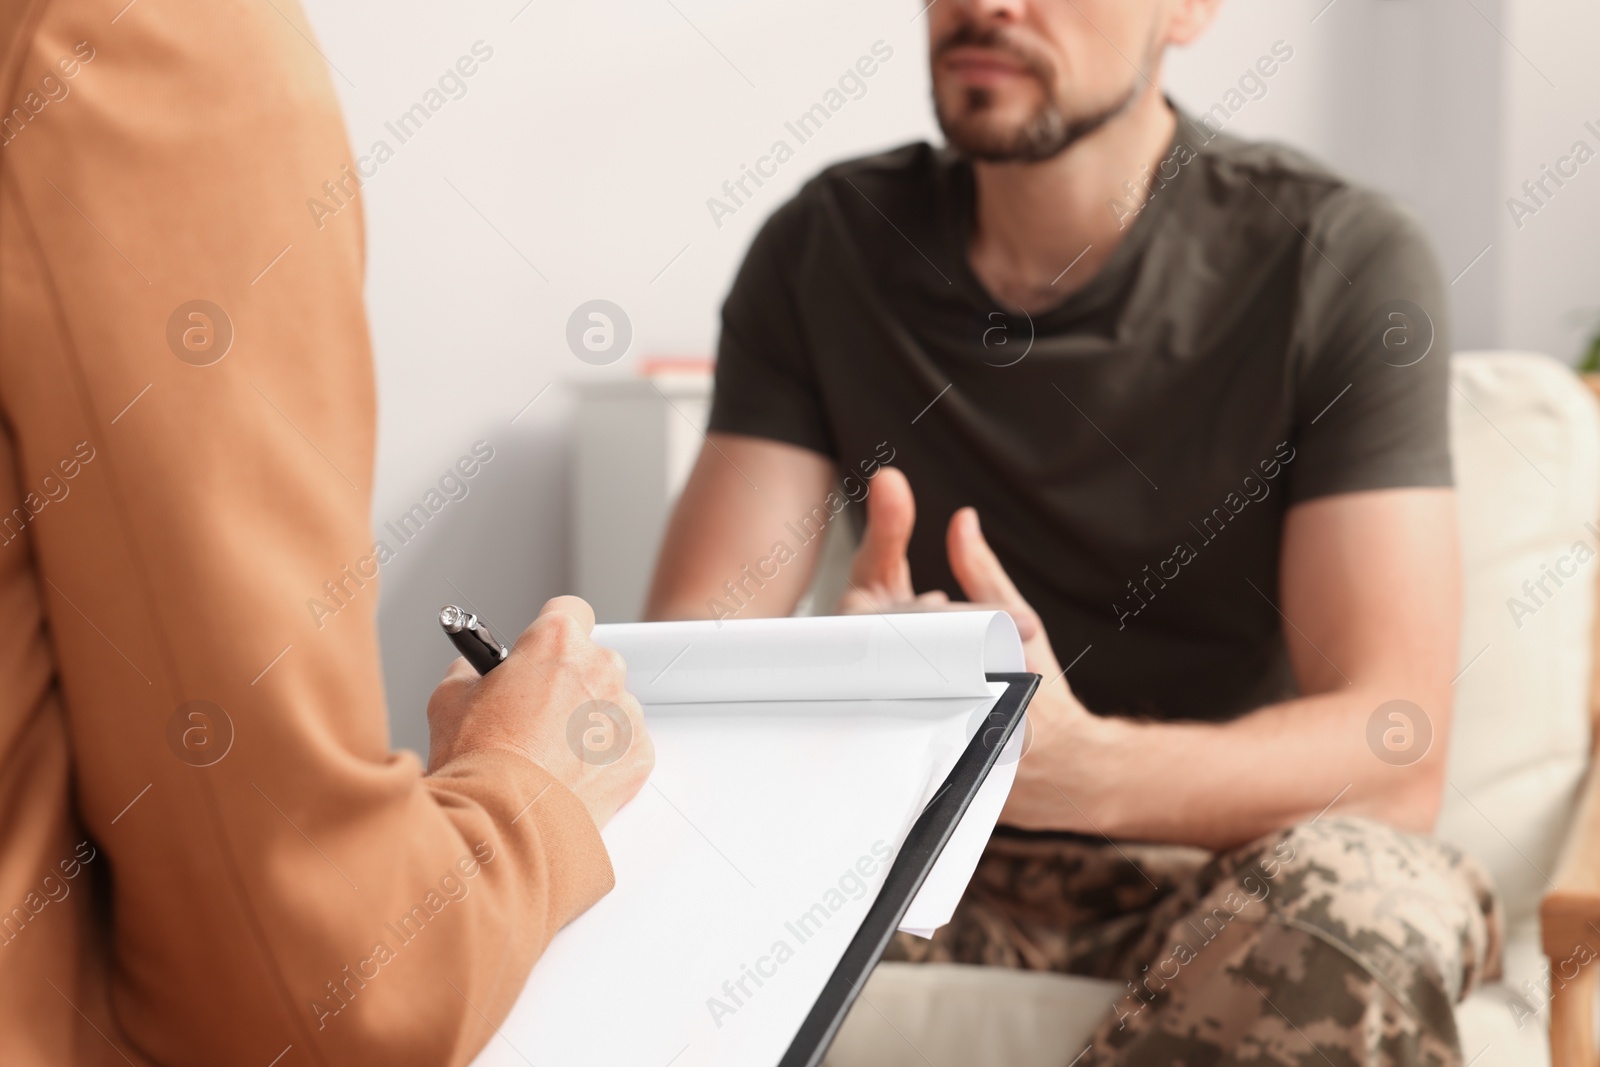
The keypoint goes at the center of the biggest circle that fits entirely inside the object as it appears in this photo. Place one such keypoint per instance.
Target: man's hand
(1059, 727)
(880, 575)
(558, 699)
(880, 581)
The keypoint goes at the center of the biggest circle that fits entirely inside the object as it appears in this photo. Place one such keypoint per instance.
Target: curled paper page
(832, 657)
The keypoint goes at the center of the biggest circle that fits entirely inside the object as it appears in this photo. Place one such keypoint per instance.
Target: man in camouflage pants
(1338, 941)
(1196, 387)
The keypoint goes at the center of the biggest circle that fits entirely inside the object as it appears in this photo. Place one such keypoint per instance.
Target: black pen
(472, 638)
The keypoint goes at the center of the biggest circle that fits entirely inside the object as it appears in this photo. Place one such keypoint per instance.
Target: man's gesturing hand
(880, 576)
(560, 700)
(1058, 725)
(987, 585)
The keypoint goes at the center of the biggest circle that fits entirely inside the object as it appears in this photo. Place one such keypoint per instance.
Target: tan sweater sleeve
(189, 407)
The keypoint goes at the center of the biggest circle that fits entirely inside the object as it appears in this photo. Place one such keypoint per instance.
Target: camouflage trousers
(1337, 942)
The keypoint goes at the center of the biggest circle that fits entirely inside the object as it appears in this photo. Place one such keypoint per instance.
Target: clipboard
(689, 919)
(922, 847)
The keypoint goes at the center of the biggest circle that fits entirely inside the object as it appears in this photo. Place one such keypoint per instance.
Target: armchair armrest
(1569, 928)
(1569, 915)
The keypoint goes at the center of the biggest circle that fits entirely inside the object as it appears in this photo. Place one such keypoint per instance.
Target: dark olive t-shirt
(1265, 334)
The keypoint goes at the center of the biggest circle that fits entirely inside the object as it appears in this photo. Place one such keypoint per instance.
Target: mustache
(999, 39)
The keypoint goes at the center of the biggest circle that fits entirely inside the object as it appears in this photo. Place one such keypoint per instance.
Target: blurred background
(576, 162)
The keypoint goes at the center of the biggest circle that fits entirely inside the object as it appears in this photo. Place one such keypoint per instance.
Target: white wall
(1550, 268)
(1445, 105)
(578, 163)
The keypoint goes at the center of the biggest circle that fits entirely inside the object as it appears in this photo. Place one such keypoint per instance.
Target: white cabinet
(634, 443)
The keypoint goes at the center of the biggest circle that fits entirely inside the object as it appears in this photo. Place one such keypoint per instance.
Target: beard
(971, 127)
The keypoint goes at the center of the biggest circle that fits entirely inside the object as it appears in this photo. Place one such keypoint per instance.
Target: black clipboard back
(928, 836)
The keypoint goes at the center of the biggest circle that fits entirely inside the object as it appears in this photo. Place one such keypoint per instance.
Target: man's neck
(1034, 221)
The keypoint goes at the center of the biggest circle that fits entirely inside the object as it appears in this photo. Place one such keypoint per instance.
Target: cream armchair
(1526, 439)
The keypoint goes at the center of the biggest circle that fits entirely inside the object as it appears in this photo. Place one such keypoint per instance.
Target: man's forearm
(730, 549)
(1218, 785)
(1371, 582)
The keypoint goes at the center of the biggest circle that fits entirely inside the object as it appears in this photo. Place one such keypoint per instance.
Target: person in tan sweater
(208, 851)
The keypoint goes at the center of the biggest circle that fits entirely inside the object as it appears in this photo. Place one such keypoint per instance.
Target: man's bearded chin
(976, 132)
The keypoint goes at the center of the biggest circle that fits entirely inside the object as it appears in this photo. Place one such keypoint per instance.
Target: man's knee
(1403, 906)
